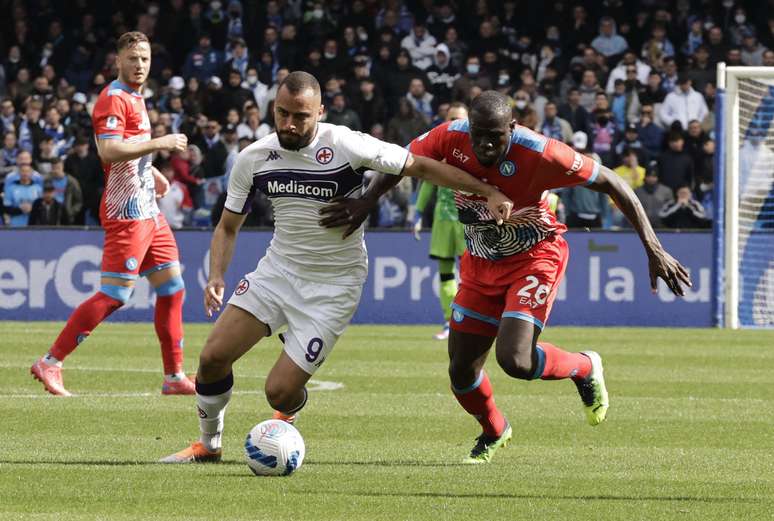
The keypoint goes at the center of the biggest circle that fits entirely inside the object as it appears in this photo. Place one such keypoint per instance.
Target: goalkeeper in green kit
(447, 241)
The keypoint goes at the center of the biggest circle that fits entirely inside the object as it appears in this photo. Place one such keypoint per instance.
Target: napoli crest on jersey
(131, 264)
(458, 316)
(112, 122)
(507, 168)
(324, 155)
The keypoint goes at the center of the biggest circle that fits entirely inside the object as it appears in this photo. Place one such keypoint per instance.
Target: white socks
(212, 411)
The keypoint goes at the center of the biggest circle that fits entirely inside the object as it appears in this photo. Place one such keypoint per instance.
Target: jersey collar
(117, 84)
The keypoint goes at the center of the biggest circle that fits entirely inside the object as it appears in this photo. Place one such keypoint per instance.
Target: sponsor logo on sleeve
(577, 163)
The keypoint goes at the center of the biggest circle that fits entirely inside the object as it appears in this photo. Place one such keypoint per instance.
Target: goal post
(744, 197)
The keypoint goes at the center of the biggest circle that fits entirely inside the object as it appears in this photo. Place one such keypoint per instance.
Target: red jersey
(129, 185)
(532, 165)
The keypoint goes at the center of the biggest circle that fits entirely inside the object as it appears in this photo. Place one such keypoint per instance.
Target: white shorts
(315, 313)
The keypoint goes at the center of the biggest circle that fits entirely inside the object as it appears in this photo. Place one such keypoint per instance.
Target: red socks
(556, 364)
(168, 320)
(82, 322)
(479, 402)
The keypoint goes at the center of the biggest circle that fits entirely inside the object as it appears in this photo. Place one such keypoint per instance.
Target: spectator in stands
(650, 134)
(658, 42)
(47, 210)
(631, 141)
(235, 96)
(523, 111)
(405, 125)
(458, 49)
(421, 46)
(399, 78)
(734, 57)
(67, 190)
(442, 75)
(29, 130)
(204, 62)
(339, 114)
(213, 149)
(695, 138)
(421, 100)
(20, 191)
(683, 105)
(45, 156)
(177, 204)
(669, 75)
(716, 46)
(575, 114)
(684, 211)
(585, 208)
(470, 77)
(653, 195)
(630, 68)
(701, 72)
(695, 38)
(652, 92)
(768, 58)
(253, 128)
(84, 165)
(588, 90)
(580, 32)
(369, 103)
(8, 154)
(752, 50)
(675, 164)
(740, 27)
(239, 60)
(608, 43)
(7, 116)
(79, 115)
(554, 126)
(604, 135)
(630, 169)
(624, 104)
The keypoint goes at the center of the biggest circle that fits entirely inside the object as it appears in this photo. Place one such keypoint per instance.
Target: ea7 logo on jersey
(577, 163)
(457, 153)
(273, 156)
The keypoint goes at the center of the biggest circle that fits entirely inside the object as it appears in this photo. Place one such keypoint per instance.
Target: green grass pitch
(690, 433)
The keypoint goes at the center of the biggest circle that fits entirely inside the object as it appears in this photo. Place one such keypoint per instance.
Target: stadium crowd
(632, 83)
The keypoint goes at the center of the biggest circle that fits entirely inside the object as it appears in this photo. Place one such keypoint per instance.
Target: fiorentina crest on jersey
(324, 155)
(242, 287)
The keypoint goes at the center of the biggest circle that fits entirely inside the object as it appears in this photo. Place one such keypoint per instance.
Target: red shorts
(522, 286)
(138, 247)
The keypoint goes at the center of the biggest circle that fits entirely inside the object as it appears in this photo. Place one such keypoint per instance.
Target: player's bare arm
(349, 212)
(113, 150)
(161, 183)
(221, 251)
(443, 174)
(660, 262)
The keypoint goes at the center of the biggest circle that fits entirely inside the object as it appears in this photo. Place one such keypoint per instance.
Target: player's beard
(290, 141)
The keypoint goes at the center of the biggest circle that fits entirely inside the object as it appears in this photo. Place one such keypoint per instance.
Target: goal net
(744, 230)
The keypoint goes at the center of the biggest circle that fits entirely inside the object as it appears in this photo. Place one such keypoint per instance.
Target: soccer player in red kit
(138, 240)
(510, 273)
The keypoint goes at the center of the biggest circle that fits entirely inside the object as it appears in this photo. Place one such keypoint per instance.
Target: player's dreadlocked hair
(299, 81)
(491, 104)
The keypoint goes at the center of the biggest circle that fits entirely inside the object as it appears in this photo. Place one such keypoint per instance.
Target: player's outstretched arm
(221, 251)
(443, 174)
(112, 150)
(350, 212)
(660, 263)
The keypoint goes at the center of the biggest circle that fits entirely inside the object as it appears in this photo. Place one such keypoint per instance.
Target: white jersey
(299, 183)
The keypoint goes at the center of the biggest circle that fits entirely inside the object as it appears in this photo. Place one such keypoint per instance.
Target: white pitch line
(313, 385)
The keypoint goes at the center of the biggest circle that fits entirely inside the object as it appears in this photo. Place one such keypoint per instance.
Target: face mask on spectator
(252, 80)
(472, 68)
(330, 55)
(520, 104)
(317, 13)
(740, 18)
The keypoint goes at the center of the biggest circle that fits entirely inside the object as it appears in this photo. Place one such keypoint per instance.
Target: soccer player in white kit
(311, 278)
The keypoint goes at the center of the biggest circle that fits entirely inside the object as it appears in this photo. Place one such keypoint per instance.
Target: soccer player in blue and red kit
(138, 240)
(510, 273)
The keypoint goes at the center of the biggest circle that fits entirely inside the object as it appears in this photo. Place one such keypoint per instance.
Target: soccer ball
(274, 448)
